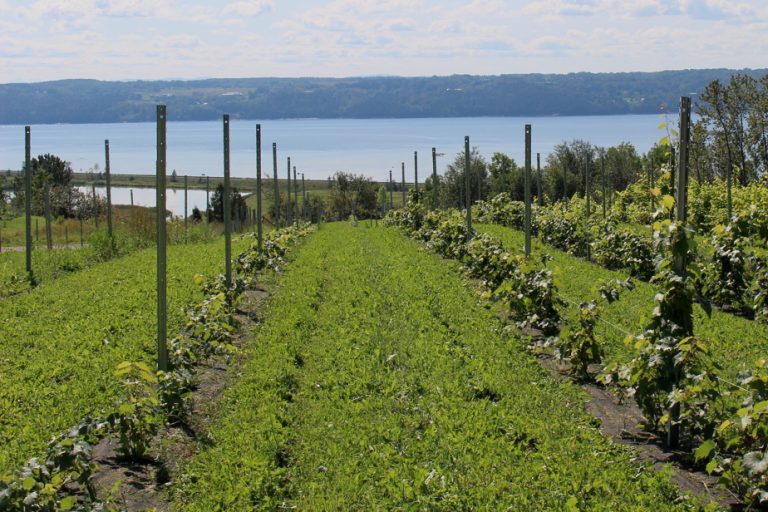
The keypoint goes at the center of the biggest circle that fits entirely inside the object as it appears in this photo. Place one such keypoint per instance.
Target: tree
(505, 176)
(453, 190)
(567, 164)
(352, 194)
(53, 176)
(623, 165)
(238, 210)
(725, 110)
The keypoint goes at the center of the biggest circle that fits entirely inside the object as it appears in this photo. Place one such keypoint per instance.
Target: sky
(184, 39)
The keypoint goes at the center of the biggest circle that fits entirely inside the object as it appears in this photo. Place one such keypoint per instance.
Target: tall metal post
(527, 191)
(186, 196)
(672, 169)
(95, 205)
(402, 165)
(162, 304)
(131, 197)
(296, 194)
(391, 191)
(588, 199)
(467, 184)
(434, 178)
(109, 188)
(416, 171)
(47, 210)
(227, 208)
(207, 200)
(28, 197)
(565, 184)
(258, 187)
(602, 173)
(288, 196)
(539, 190)
(303, 199)
(277, 186)
(650, 186)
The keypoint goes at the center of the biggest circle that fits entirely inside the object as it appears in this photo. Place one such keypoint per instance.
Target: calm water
(318, 147)
(174, 198)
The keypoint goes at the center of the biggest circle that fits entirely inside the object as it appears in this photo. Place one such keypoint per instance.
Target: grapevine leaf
(756, 463)
(703, 451)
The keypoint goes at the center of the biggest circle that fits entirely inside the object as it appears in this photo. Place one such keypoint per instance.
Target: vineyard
(599, 351)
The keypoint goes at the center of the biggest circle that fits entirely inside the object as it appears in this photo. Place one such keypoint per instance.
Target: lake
(319, 147)
(174, 198)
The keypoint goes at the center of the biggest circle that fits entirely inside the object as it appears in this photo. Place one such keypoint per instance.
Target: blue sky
(153, 39)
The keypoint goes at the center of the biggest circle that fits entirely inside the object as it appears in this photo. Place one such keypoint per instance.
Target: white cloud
(43, 39)
(248, 8)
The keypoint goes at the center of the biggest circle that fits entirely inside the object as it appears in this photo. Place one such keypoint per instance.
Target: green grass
(377, 382)
(736, 342)
(47, 265)
(60, 343)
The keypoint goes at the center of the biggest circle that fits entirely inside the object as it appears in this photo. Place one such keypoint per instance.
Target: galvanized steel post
(227, 200)
(109, 187)
(162, 305)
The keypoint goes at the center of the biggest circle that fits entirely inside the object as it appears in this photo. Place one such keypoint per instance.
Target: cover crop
(377, 382)
(60, 343)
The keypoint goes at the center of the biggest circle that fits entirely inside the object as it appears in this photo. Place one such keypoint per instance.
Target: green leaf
(668, 202)
(67, 503)
(663, 125)
(711, 466)
(126, 408)
(704, 450)
(28, 484)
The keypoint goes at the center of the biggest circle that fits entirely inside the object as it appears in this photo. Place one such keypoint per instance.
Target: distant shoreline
(456, 96)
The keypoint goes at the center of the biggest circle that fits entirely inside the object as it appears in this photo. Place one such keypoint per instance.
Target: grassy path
(377, 382)
(60, 342)
(736, 342)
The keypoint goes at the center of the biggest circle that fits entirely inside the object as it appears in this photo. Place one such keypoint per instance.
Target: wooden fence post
(680, 263)
(162, 305)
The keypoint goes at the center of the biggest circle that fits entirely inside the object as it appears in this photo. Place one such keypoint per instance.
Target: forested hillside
(91, 101)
